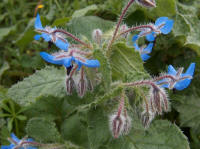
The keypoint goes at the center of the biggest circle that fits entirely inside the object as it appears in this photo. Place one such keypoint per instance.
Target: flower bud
(117, 124)
(70, 85)
(147, 117)
(122, 29)
(97, 35)
(127, 123)
(82, 87)
(147, 3)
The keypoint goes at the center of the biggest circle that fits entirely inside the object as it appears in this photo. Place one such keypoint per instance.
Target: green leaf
(6, 31)
(125, 62)
(85, 25)
(21, 117)
(61, 21)
(75, 130)
(104, 68)
(4, 68)
(84, 11)
(10, 124)
(48, 81)
(42, 129)
(98, 131)
(186, 27)
(188, 106)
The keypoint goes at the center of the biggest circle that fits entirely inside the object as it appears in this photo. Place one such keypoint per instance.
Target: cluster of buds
(120, 122)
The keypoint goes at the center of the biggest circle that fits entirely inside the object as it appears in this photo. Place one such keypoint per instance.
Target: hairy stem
(119, 22)
(72, 36)
(142, 83)
(134, 29)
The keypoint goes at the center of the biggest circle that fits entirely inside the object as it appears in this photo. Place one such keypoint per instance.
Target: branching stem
(119, 22)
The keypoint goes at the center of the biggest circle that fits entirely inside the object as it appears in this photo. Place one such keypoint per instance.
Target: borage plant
(113, 90)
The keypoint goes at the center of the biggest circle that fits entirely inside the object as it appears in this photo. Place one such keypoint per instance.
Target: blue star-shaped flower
(66, 60)
(17, 143)
(162, 25)
(144, 51)
(46, 33)
(182, 80)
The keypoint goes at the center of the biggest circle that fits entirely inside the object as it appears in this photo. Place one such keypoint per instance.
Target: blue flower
(18, 143)
(65, 59)
(162, 25)
(182, 80)
(144, 51)
(46, 33)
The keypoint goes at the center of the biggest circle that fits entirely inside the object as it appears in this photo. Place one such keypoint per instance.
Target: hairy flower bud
(158, 100)
(70, 85)
(117, 124)
(82, 87)
(147, 117)
(147, 3)
(122, 29)
(127, 123)
(97, 35)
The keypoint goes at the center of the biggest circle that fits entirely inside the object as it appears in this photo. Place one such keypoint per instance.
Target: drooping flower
(66, 59)
(144, 51)
(47, 34)
(181, 81)
(17, 143)
(162, 25)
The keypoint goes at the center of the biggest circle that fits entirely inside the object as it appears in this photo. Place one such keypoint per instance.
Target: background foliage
(38, 105)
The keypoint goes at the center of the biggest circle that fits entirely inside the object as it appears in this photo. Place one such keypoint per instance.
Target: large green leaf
(84, 11)
(74, 129)
(6, 31)
(187, 24)
(42, 129)
(85, 25)
(48, 81)
(98, 132)
(125, 62)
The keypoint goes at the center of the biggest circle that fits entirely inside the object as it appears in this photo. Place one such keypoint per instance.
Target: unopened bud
(97, 36)
(159, 100)
(82, 87)
(122, 29)
(70, 85)
(147, 118)
(147, 3)
(127, 123)
(117, 125)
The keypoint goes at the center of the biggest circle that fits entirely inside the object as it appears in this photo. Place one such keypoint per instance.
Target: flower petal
(136, 47)
(166, 29)
(62, 45)
(38, 24)
(14, 137)
(160, 21)
(150, 37)
(148, 48)
(37, 37)
(145, 57)
(135, 37)
(7, 146)
(67, 62)
(46, 37)
(190, 70)
(51, 59)
(171, 70)
(182, 84)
